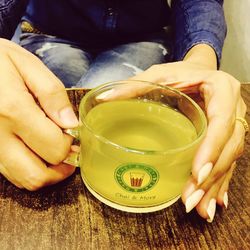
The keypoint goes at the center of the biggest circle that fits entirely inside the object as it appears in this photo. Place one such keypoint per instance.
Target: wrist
(202, 55)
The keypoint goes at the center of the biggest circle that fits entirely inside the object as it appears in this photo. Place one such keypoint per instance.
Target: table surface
(67, 216)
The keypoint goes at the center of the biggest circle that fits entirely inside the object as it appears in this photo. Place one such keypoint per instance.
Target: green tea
(142, 134)
(141, 125)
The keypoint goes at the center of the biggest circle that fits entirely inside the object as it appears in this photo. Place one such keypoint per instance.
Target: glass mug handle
(73, 157)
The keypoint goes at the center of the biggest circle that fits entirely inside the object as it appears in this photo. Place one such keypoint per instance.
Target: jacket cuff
(201, 37)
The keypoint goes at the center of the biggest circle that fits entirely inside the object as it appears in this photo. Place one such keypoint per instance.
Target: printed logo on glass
(136, 177)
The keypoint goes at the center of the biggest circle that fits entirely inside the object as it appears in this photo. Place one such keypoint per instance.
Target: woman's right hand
(32, 142)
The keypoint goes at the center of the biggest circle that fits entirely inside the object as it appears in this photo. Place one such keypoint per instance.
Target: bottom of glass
(129, 208)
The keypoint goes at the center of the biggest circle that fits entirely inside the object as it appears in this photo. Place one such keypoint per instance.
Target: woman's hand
(32, 142)
(213, 165)
(219, 95)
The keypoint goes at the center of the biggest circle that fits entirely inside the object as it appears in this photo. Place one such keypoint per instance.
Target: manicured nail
(194, 199)
(204, 172)
(68, 117)
(211, 210)
(225, 199)
(104, 95)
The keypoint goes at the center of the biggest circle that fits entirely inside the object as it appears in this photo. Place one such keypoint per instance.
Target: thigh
(65, 59)
(124, 61)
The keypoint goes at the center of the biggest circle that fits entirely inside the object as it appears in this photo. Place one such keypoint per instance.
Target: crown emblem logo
(136, 179)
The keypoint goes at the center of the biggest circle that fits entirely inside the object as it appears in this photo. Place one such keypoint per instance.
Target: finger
(25, 119)
(126, 89)
(191, 194)
(27, 168)
(206, 208)
(28, 121)
(232, 150)
(45, 86)
(189, 188)
(134, 88)
(155, 74)
(178, 73)
(161, 75)
(57, 173)
(188, 86)
(222, 197)
(221, 103)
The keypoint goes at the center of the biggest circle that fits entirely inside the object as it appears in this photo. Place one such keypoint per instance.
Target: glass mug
(138, 140)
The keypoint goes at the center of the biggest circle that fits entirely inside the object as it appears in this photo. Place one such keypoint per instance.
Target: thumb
(152, 74)
(132, 87)
(162, 75)
(45, 87)
(139, 85)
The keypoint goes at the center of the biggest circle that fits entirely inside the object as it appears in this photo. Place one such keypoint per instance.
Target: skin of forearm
(203, 55)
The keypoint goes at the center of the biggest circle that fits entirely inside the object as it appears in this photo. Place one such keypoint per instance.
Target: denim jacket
(194, 21)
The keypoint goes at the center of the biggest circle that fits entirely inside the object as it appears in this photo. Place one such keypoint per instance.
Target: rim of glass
(101, 138)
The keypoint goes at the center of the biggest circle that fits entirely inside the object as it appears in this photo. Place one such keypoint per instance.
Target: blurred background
(236, 52)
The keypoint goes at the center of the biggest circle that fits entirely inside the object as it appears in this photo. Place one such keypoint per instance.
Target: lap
(124, 61)
(65, 59)
(75, 66)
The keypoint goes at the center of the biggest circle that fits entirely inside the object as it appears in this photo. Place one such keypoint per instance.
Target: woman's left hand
(218, 93)
(213, 165)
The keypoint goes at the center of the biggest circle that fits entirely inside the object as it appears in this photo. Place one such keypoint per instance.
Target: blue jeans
(81, 67)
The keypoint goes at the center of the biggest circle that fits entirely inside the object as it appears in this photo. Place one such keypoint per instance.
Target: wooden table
(67, 216)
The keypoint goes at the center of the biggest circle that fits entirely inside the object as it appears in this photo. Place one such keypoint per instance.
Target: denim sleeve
(198, 21)
(10, 14)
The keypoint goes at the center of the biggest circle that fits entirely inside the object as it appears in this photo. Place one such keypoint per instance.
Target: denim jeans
(81, 67)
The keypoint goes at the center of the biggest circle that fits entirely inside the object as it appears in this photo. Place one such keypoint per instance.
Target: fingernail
(68, 117)
(194, 199)
(211, 210)
(204, 172)
(225, 199)
(104, 95)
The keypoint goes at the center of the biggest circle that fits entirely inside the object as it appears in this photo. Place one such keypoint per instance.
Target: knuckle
(229, 78)
(11, 107)
(52, 92)
(53, 88)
